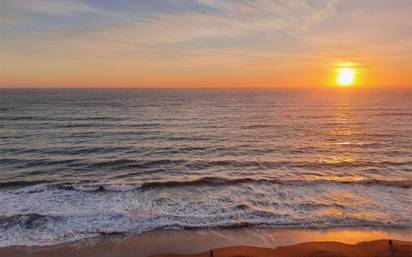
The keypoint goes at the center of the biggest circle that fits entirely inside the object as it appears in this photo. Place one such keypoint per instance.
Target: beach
(259, 242)
(313, 249)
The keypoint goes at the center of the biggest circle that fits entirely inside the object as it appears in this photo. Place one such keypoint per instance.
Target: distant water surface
(81, 163)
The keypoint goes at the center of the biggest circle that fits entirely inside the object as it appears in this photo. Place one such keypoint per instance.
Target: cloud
(199, 35)
(160, 43)
(244, 24)
(45, 7)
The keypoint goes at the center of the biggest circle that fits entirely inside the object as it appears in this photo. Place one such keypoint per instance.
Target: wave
(23, 229)
(33, 220)
(60, 119)
(296, 164)
(216, 181)
(90, 186)
(130, 163)
(87, 163)
(76, 158)
(391, 114)
(24, 221)
(23, 183)
(18, 118)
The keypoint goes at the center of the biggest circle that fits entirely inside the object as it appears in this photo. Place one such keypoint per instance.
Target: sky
(203, 43)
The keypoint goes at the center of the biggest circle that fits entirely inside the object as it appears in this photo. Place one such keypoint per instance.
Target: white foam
(68, 215)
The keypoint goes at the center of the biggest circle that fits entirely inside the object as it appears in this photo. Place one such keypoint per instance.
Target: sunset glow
(204, 43)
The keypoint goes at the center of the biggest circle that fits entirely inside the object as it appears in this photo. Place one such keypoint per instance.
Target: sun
(346, 77)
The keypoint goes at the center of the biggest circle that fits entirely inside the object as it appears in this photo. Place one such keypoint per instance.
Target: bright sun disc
(346, 77)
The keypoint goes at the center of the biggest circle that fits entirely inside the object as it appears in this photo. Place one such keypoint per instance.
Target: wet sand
(250, 242)
(378, 248)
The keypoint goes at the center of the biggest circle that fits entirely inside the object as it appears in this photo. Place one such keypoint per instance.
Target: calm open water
(81, 163)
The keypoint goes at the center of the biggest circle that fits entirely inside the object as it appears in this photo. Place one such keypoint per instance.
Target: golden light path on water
(345, 119)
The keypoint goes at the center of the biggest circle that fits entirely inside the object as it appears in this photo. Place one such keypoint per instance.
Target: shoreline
(194, 242)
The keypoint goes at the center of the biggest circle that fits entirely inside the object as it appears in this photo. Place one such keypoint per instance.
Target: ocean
(81, 163)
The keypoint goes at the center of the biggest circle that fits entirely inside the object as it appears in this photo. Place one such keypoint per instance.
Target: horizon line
(207, 87)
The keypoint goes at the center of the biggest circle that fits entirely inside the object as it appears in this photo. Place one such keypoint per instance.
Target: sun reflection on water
(338, 160)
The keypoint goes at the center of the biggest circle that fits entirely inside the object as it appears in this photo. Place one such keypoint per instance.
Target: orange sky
(203, 43)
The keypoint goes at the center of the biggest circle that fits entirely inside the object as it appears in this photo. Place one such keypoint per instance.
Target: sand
(378, 248)
(265, 242)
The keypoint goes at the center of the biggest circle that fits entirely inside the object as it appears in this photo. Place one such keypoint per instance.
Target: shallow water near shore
(79, 164)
